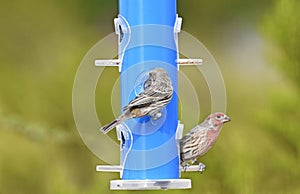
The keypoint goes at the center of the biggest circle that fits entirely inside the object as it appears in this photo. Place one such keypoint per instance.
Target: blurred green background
(256, 44)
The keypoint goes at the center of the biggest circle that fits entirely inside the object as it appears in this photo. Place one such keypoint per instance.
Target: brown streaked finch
(157, 93)
(201, 138)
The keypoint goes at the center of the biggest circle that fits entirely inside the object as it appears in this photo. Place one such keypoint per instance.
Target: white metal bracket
(184, 62)
(108, 62)
(117, 62)
(118, 168)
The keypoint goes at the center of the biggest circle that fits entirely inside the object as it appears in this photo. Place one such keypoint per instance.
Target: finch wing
(141, 100)
(189, 144)
(147, 97)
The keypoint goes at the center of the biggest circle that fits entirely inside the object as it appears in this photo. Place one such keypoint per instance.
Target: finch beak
(226, 119)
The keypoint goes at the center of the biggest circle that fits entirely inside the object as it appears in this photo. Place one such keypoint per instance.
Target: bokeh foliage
(282, 27)
(43, 42)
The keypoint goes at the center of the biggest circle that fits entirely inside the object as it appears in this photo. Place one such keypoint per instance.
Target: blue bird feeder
(149, 158)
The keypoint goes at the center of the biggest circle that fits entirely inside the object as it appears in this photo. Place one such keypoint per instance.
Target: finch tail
(106, 128)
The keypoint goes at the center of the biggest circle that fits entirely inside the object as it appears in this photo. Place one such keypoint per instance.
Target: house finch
(201, 138)
(157, 94)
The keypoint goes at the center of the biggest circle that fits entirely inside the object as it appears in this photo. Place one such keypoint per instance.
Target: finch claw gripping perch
(201, 167)
(156, 116)
(185, 166)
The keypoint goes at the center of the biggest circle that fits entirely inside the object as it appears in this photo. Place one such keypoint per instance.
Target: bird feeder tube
(148, 38)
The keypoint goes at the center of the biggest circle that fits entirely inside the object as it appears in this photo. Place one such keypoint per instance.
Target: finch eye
(218, 117)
